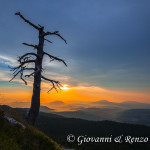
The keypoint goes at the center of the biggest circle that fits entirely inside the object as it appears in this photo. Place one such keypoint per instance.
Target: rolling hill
(20, 136)
(58, 127)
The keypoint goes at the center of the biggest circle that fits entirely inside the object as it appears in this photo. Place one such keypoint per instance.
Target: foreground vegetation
(58, 127)
(14, 137)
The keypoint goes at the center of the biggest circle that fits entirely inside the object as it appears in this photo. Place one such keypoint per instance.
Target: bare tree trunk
(25, 59)
(35, 103)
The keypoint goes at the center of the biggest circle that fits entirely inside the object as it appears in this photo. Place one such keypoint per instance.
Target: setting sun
(65, 87)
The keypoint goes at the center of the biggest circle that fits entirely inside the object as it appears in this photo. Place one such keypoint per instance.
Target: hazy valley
(126, 112)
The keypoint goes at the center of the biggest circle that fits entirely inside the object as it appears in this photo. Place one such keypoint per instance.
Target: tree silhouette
(36, 59)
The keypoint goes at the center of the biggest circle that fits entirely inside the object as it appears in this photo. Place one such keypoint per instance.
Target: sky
(107, 52)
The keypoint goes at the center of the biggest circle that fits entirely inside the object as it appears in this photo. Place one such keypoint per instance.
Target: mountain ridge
(59, 127)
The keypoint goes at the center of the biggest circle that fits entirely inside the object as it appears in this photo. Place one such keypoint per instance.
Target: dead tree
(37, 70)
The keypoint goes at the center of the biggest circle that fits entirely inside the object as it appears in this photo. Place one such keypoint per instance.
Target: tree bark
(37, 69)
(35, 103)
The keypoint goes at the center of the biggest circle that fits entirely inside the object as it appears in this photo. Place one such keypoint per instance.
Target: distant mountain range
(127, 112)
(83, 104)
(122, 105)
(135, 116)
(58, 127)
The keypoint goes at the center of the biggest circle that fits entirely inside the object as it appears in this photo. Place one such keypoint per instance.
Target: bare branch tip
(17, 13)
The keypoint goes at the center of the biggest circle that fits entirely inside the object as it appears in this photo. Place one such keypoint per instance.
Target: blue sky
(108, 41)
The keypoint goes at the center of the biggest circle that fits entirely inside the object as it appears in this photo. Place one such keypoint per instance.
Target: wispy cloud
(4, 76)
(7, 60)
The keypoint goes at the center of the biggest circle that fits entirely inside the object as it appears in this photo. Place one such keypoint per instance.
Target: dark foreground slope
(59, 127)
(14, 137)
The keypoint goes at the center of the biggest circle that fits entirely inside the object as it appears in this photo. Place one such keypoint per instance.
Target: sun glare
(65, 87)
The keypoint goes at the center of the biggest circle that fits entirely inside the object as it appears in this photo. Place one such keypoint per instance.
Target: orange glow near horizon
(70, 94)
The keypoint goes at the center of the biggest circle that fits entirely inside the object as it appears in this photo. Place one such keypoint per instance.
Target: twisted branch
(27, 21)
(30, 74)
(34, 46)
(55, 84)
(25, 62)
(48, 40)
(21, 74)
(55, 58)
(20, 69)
(34, 72)
(55, 33)
(27, 54)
